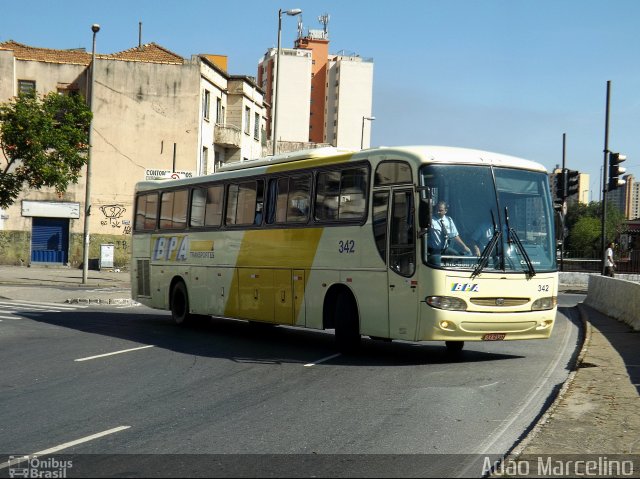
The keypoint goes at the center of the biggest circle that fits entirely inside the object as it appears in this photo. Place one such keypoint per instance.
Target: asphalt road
(254, 400)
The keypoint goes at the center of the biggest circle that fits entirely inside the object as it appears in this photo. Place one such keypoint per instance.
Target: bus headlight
(447, 302)
(548, 302)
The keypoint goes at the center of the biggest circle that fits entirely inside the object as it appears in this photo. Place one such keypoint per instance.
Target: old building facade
(156, 116)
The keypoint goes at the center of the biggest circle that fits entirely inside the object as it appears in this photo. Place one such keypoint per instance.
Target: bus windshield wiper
(512, 236)
(516, 240)
(486, 253)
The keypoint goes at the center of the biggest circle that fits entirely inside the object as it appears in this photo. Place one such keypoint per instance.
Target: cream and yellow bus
(356, 242)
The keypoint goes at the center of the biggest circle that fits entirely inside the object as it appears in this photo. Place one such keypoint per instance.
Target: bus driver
(443, 231)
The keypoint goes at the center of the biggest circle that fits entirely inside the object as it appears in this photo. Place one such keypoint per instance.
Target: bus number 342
(348, 246)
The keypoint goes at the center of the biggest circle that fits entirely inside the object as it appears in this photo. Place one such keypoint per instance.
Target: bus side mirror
(424, 213)
(425, 207)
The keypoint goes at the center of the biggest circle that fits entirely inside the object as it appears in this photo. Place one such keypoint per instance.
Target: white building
(324, 98)
(349, 102)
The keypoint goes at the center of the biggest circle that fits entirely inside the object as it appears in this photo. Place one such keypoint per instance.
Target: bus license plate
(494, 337)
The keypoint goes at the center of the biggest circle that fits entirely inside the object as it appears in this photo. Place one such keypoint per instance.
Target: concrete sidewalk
(596, 412)
(58, 284)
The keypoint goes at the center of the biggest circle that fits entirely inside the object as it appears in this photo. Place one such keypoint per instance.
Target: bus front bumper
(442, 325)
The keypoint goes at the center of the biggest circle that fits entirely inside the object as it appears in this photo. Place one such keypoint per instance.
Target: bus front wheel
(180, 304)
(347, 323)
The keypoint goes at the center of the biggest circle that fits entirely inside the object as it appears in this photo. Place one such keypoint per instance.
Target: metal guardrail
(589, 265)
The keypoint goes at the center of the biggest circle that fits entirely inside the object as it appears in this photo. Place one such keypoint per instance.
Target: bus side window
(272, 191)
(241, 204)
(281, 200)
(327, 192)
(146, 212)
(213, 207)
(198, 199)
(259, 203)
(353, 185)
(173, 209)
(298, 199)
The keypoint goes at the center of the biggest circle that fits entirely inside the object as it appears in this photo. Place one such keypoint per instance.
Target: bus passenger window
(327, 191)
(352, 193)
(173, 210)
(198, 198)
(259, 203)
(241, 205)
(298, 199)
(213, 208)
(146, 212)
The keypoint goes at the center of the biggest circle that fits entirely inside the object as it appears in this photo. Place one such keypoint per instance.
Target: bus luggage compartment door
(256, 294)
(283, 301)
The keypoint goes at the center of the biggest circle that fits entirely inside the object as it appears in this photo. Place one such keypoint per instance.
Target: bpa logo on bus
(466, 287)
(171, 248)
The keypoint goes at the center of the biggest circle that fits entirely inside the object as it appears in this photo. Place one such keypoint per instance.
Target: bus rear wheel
(180, 304)
(347, 323)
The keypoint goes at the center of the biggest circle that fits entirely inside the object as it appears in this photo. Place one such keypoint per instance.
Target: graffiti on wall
(113, 217)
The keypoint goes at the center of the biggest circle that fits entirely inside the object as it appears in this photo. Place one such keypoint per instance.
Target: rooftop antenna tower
(324, 20)
(300, 26)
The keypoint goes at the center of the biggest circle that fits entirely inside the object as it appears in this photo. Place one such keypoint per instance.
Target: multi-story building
(625, 198)
(634, 207)
(156, 115)
(323, 97)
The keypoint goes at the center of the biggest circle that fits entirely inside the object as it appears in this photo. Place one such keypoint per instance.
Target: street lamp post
(291, 13)
(370, 118)
(95, 28)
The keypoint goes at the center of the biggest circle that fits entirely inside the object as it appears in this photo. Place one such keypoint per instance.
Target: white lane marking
(488, 386)
(39, 304)
(308, 365)
(8, 317)
(115, 352)
(66, 445)
(533, 393)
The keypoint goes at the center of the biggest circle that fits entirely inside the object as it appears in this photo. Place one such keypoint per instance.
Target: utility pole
(603, 231)
(95, 28)
(564, 158)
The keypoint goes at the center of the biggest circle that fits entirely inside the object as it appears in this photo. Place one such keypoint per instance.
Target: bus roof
(435, 154)
(447, 154)
(285, 158)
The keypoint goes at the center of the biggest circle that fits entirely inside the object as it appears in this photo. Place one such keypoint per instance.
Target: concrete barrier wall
(617, 298)
(582, 279)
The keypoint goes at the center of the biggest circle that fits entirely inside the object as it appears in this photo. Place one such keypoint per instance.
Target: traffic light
(615, 170)
(573, 182)
(561, 184)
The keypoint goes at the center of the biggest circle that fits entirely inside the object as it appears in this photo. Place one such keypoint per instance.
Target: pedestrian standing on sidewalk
(609, 264)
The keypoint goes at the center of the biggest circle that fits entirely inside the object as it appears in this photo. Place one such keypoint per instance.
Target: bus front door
(401, 274)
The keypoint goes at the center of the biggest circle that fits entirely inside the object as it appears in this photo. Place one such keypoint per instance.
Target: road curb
(113, 301)
(519, 449)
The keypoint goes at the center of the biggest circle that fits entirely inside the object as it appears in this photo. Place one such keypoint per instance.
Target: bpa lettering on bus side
(170, 248)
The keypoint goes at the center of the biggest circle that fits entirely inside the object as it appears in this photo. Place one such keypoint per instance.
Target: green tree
(44, 141)
(585, 236)
(584, 223)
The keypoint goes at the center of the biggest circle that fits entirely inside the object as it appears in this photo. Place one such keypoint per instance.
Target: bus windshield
(489, 219)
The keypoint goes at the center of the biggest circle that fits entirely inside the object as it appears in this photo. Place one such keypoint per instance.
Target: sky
(510, 76)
